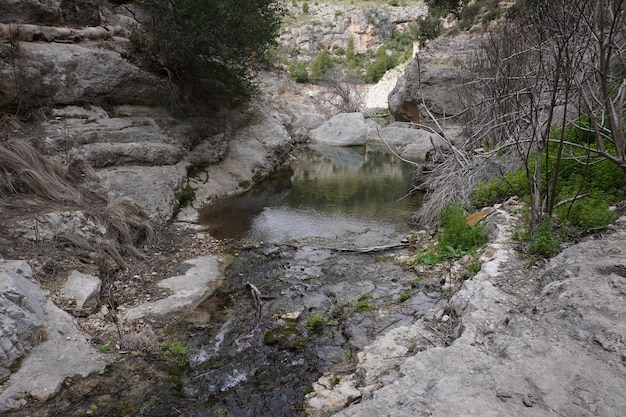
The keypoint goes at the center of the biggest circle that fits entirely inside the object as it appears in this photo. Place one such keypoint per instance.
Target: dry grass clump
(145, 341)
(126, 224)
(24, 169)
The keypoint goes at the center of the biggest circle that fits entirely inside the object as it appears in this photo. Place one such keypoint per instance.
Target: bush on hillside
(210, 48)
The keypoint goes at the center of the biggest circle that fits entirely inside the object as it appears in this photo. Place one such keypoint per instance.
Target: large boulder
(153, 188)
(436, 81)
(343, 129)
(417, 145)
(38, 338)
(21, 321)
(44, 12)
(69, 73)
(51, 12)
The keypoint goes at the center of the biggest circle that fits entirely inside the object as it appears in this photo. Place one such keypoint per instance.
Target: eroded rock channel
(307, 288)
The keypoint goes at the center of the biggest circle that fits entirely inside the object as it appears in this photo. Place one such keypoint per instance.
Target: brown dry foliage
(24, 169)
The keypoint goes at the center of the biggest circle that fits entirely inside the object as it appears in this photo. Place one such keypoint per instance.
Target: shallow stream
(311, 280)
(303, 294)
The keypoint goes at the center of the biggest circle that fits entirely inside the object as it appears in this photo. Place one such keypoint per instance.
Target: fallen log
(372, 248)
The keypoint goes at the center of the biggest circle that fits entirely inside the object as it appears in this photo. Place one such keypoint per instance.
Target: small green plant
(175, 352)
(186, 196)
(457, 236)
(269, 338)
(474, 266)
(363, 306)
(257, 176)
(404, 296)
(305, 7)
(104, 348)
(544, 241)
(316, 323)
(245, 184)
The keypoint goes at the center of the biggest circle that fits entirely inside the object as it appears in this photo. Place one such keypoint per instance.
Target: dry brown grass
(126, 224)
(24, 169)
(24, 172)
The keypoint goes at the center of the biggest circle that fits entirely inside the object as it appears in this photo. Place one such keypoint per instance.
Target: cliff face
(434, 80)
(330, 26)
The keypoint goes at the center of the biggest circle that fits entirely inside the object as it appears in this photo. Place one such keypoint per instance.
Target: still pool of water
(323, 191)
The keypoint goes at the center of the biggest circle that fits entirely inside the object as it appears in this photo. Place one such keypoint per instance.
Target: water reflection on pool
(323, 190)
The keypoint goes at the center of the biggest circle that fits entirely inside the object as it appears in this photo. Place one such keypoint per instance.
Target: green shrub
(592, 213)
(457, 236)
(320, 66)
(544, 240)
(379, 67)
(401, 45)
(305, 7)
(299, 72)
(350, 58)
(209, 48)
(428, 28)
(486, 194)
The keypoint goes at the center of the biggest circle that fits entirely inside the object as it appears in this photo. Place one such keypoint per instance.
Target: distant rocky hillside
(329, 25)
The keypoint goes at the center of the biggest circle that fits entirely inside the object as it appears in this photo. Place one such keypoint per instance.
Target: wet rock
(41, 336)
(84, 290)
(343, 129)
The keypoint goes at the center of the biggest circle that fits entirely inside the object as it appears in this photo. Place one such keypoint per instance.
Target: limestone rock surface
(84, 290)
(435, 78)
(62, 73)
(557, 349)
(40, 335)
(343, 129)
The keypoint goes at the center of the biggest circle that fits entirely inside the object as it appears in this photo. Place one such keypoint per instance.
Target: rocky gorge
(513, 340)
